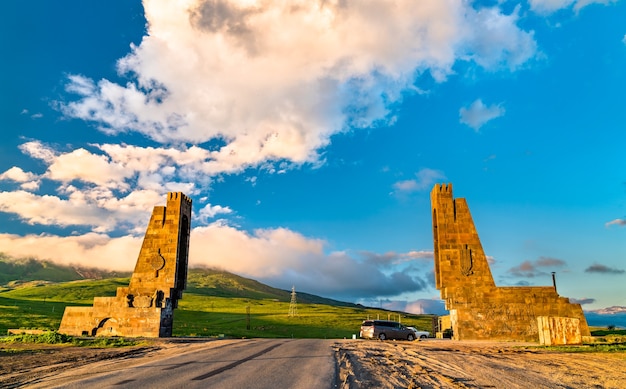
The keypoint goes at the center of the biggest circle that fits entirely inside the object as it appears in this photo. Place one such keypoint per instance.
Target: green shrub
(53, 337)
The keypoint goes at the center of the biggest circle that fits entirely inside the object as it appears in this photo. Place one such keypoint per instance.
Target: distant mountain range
(605, 317)
(614, 310)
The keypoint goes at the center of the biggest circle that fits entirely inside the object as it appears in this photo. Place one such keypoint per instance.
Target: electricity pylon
(293, 305)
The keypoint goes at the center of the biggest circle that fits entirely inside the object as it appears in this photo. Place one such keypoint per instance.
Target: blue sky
(309, 135)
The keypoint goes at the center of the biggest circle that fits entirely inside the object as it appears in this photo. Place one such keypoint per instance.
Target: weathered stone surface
(554, 331)
(144, 308)
(478, 308)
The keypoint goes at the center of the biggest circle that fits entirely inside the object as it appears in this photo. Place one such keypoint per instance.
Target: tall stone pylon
(479, 310)
(145, 308)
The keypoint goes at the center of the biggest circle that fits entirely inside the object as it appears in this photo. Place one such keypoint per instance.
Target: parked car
(385, 329)
(420, 334)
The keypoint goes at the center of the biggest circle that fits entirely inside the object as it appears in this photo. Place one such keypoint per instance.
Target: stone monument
(145, 307)
(479, 310)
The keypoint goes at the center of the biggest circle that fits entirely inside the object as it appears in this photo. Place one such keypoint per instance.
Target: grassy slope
(215, 303)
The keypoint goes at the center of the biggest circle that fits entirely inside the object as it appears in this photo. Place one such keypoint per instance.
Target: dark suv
(385, 329)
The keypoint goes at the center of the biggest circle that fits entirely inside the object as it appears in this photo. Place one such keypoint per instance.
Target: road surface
(228, 364)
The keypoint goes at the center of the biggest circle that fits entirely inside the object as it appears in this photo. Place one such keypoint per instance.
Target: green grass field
(214, 316)
(215, 304)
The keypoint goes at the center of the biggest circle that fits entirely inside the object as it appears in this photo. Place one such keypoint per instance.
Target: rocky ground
(372, 364)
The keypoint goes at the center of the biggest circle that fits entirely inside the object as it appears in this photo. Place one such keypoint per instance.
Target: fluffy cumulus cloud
(27, 180)
(90, 250)
(550, 6)
(274, 80)
(211, 211)
(107, 187)
(282, 258)
(477, 114)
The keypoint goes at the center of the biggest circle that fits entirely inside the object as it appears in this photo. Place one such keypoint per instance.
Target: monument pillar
(478, 308)
(146, 306)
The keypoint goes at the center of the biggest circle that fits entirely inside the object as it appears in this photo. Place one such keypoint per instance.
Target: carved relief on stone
(157, 262)
(466, 261)
(142, 302)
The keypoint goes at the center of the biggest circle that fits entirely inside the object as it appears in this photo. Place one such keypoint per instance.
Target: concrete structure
(478, 308)
(144, 308)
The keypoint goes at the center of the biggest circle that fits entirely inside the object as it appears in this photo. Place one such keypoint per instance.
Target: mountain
(610, 310)
(605, 317)
(220, 283)
(16, 272)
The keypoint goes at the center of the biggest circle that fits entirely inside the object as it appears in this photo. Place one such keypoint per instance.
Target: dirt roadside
(365, 364)
(464, 364)
(25, 364)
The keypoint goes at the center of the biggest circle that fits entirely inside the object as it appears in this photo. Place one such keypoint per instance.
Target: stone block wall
(479, 310)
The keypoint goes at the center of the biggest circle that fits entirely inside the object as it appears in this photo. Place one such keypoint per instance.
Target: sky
(310, 133)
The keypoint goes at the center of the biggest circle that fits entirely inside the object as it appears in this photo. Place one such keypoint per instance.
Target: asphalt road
(249, 364)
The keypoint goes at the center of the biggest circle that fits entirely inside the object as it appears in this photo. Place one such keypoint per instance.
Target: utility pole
(293, 306)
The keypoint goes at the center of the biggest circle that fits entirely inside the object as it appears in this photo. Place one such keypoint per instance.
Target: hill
(220, 283)
(21, 272)
(215, 303)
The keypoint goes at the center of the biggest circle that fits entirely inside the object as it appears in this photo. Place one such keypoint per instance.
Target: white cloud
(49, 209)
(87, 167)
(424, 180)
(18, 175)
(99, 209)
(104, 190)
(210, 211)
(28, 181)
(616, 222)
(91, 250)
(550, 6)
(275, 80)
(477, 114)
